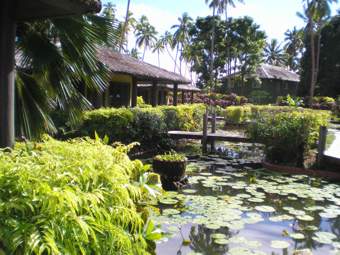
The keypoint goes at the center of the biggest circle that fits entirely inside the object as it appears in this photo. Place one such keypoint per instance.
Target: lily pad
(264, 208)
(324, 237)
(278, 244)
(297, 236)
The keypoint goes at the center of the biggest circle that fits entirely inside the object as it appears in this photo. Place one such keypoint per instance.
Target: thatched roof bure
(142, 71)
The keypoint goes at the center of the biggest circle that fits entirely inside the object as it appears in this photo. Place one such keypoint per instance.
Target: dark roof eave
(38, 9)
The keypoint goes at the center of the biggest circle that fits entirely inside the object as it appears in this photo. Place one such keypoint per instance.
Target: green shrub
(186, 117)
(147, 126)
(260, 97)
(74, 197)
(242, 114)
(289, 135)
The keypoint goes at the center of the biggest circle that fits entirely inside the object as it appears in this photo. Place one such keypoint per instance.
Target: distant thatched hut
(266, 84)
(128, 72)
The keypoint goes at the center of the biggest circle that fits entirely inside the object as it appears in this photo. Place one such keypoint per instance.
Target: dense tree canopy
(242, 36)
(328, 83)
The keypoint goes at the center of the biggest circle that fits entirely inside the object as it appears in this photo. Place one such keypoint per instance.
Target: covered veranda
(11, 13)
(135, 74)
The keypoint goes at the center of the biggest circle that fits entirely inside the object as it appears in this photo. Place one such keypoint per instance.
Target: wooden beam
(154, 94)
(175, 91)
(192, 97)
(322, 144)
(7, 73)
(183, 97)
(134, 92)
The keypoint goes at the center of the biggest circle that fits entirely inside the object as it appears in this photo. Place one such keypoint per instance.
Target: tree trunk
(177, 49)
(144, 53)
(312, 82)
(125, 26)
(180, 60)
(212, 49)
(159, 60)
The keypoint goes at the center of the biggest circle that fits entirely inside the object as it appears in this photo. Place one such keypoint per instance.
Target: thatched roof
(142, 71)
(275, 73)
(36, 9)
(181, 87)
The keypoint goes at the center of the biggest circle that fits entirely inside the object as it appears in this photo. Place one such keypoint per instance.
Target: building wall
(268, 89)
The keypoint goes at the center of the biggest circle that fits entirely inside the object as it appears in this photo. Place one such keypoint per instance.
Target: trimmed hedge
(246, 113)
(288, 135)
(148, 126)
(75, 197)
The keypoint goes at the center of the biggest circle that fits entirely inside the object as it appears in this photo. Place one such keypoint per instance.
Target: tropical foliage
(288, 136)
(53, 58)
(76, 197)
(130, 125)
(171, 156)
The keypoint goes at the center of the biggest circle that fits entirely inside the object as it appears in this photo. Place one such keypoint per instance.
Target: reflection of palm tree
(201, 241)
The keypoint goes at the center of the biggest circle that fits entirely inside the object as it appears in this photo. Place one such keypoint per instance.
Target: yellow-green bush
(242, 114)
(288, 135)
(74, 197)
(147, 126)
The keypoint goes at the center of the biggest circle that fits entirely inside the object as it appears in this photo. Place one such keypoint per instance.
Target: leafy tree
(53, 57)
(294, 48)
(329, 73)
(316, 15)
(246, 43)
(145, 34)
(274, 54)
(159, 47)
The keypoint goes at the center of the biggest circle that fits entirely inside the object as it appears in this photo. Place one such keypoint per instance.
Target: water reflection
(299, 200)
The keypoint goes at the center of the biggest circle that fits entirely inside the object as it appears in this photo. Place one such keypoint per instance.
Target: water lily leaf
(305, 217)
(221, 241)
(189, 191)
(168, 201)
(264, 208)
(218, 236)
(278, 244)
(324, 237)
(297, 236)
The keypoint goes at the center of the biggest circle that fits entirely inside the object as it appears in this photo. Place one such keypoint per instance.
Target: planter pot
(171, 170)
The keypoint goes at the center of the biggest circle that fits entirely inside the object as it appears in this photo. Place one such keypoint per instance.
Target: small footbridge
(207, 137)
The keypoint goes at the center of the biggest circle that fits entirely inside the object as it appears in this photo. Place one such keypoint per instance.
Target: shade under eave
(38, 9)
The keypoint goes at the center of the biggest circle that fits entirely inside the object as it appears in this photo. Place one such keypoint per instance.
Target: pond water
(237, 211)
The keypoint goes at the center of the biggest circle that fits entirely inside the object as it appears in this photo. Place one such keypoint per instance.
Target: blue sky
(274, 16)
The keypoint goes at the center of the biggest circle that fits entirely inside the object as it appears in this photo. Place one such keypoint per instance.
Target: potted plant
(170, 166)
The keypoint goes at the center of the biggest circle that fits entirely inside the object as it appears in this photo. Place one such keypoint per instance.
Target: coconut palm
(54, 57)
(316, 14)
(274, 54)
(181, 37)
(159, 47)
(125, 25)
(145, 34)
(293, 47)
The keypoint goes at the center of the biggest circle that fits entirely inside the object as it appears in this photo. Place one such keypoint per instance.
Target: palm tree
(293, 47)
(127, 15)
(274, 54)
(145, 34)
(181, 37)
(54, 57)
(316, 14)
(159, 47)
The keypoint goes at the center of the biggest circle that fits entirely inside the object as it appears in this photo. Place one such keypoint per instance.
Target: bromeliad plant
(171, 156)
(75, 197)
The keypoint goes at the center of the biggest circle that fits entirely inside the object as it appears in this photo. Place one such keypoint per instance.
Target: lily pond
(228, 209)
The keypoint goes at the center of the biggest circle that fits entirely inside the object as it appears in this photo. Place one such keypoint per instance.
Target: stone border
(302, 171)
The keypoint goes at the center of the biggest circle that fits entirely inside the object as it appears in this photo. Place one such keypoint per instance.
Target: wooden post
(183, 97)
(213, 130)
(205, 133)
(134, 92)
(154, 94)
(321, 144)
(7, 73)
(192, 97)
(175, 91)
